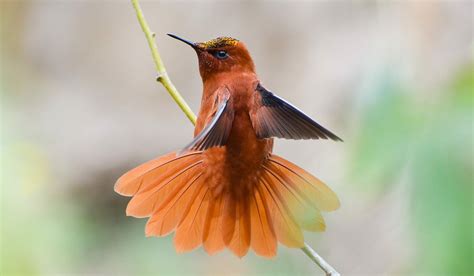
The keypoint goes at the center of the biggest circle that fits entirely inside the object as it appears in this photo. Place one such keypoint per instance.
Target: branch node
(159, 77)
(160, 68)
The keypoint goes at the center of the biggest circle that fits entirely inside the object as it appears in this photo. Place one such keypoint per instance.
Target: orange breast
(236, 167)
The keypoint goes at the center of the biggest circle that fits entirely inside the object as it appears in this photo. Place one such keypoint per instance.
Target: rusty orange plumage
(226, 188)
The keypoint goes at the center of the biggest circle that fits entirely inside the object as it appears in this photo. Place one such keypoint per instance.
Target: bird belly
(235, 168)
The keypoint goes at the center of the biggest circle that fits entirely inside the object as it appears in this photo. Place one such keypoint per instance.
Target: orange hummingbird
(226, 188)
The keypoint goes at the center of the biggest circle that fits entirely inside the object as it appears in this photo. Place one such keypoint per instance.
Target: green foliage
(434, 143)
(386, 135)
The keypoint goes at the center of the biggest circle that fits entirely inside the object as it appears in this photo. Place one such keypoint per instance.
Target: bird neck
(229, 78)
(208, 74)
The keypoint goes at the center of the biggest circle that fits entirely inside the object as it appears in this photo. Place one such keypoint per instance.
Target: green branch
(160, 68)
(314, 256)
(166, 82)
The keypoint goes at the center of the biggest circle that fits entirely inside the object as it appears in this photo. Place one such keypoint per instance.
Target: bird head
(221, 55)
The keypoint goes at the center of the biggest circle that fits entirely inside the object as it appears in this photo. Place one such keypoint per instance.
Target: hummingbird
(226, 188)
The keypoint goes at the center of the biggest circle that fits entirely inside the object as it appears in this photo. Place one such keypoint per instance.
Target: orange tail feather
(240, 242)
(189, 233)
(212, 237)
(262, 235)
(178, 193)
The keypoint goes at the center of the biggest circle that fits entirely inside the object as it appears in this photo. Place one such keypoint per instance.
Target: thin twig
(166, 82)
(160, 68)
(328, 269)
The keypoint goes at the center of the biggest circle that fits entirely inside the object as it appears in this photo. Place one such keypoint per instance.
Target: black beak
(192, 44)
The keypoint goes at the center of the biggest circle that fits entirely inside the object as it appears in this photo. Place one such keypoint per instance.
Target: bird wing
(272, 116)
(217, 130)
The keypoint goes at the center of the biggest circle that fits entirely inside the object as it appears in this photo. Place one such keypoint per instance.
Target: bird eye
(221, 54)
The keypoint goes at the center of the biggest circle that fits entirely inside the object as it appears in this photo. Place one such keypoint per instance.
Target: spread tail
(178, 193)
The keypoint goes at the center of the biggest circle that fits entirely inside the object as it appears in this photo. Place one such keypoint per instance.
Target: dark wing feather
(274, 117)
(216, 132)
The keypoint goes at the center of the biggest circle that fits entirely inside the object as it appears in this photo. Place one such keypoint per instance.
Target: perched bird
(226, 188)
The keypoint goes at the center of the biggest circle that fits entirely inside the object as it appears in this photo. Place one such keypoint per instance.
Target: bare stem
(328, 269)
(164, 79)
(160, 68)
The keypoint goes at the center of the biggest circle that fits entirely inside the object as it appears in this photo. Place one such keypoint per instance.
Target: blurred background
(80, 106)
